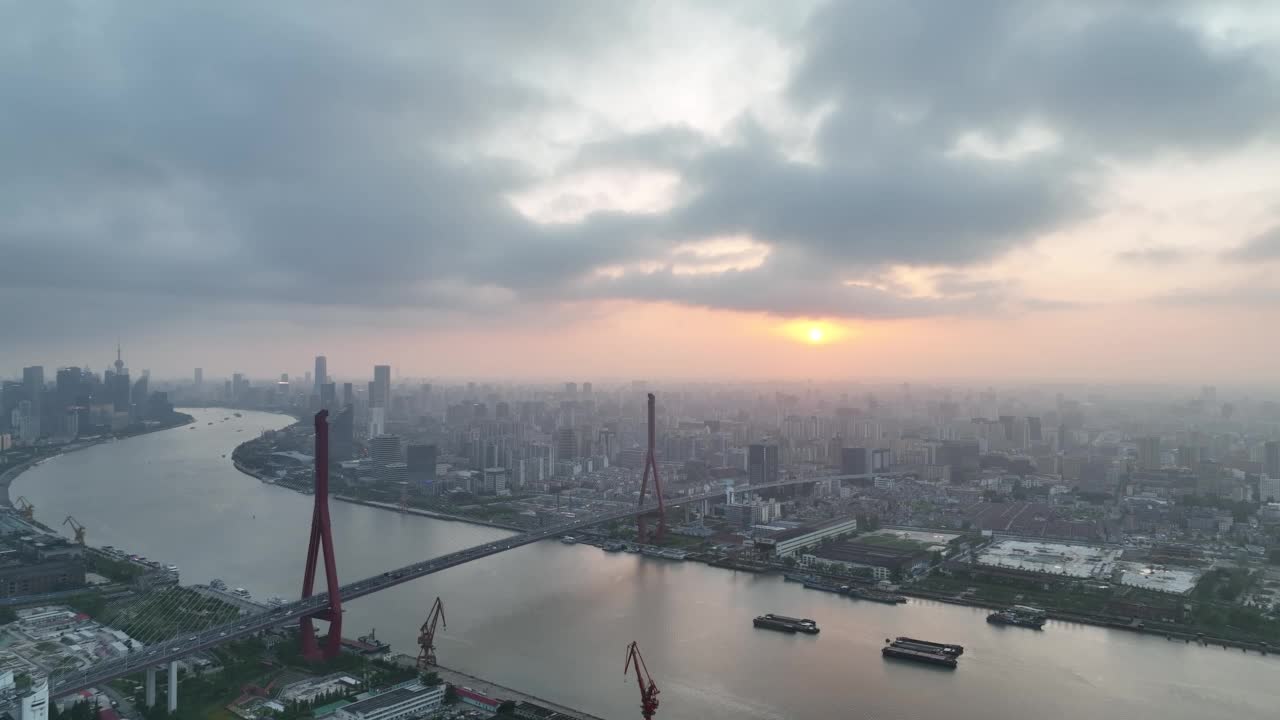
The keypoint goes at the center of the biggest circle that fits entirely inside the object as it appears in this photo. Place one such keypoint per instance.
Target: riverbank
(492, 689)
(11, 474)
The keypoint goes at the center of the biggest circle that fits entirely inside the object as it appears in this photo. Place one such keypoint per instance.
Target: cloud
(1152, 255)
(311, 155)
(1263, 248)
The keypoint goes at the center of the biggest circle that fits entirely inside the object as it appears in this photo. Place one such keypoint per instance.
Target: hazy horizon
(835, 191)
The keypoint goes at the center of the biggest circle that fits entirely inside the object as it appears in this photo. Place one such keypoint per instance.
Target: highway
(179, 647)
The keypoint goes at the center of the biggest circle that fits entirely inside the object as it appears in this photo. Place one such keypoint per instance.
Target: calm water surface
(554, 620)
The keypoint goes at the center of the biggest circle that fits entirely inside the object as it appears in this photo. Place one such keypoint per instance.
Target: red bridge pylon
(322, 537)
(651, 465)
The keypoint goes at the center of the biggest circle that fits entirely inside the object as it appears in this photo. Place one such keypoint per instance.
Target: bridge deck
(182, 646)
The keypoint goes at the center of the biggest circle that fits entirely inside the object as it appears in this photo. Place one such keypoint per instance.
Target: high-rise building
(118, 385)
(762, 463)
(199, 378)
(33, 385)
(348, 395)
(586, 388)
(566, 444)
(383, 451)
(571, 389)
(1034, 432)
(321, 375)
(421, 460)
(342, 437)
(855, 461)
(881, 458)
(380, 395)
(328, 395)
(962, 456)
(1271, 458)
(1149, 453)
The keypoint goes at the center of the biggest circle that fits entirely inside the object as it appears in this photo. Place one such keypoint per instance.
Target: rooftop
(1054, 558)
(852, 551)
(806, 529)
(389, 698)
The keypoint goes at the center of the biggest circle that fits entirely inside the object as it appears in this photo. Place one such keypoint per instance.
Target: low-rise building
(788, 542)
(402, 703)
(884, 561)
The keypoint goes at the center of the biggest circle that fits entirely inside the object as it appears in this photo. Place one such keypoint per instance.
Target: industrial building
(884, 561)
(401, 703)
(788, 542)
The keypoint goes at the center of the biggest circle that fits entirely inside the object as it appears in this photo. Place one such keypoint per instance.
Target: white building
(787, 543)
(1269, 489)
(401, 703)
(29, 704)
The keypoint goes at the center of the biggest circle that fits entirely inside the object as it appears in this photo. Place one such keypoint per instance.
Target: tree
(450, 695)
(508, 707)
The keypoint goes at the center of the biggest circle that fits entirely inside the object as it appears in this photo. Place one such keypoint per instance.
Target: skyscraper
(321, 375)
(33, 386)
(328, 395)
(199, 378)
(1271, 458)
(762, 463)
(384, 451)
(421, 460)
(1149, 453)
(566, 444)
(342, 434)
(381, 394)
(348, 395)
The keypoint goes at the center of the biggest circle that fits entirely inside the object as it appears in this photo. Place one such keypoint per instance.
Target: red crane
(427, 636)
(648, 688)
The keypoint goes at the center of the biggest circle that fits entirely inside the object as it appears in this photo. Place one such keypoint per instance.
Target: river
(554, 620)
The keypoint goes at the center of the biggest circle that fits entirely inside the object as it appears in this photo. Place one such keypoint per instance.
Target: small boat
(569, 540)
(240, 592)
(613, 546)
(1020, 616)
(217, 584)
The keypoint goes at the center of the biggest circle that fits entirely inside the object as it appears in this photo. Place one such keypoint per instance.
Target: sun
(815, 332)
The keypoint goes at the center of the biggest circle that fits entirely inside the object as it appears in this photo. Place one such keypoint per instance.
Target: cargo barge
(879, 596)
(782, 623)
(917, 652)
(925, 645)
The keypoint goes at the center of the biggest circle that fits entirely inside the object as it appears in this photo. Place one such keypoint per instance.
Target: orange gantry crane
(25, 507)
(76, 527)
(648, 688)
(427, 636)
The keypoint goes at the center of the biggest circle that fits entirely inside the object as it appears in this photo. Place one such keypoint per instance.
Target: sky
(573, 189)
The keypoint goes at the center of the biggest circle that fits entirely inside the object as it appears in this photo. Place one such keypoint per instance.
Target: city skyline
(774, 175)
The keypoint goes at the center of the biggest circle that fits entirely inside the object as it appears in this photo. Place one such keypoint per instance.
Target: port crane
(25, 507)
(427, 636)
(648, 688)
(76, 527)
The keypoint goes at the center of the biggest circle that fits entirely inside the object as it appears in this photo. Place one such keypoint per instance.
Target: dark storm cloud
(304, 153)
(1263, 248)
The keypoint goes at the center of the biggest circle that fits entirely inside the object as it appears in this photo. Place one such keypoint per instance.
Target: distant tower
(119, 361)
(321, 374)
